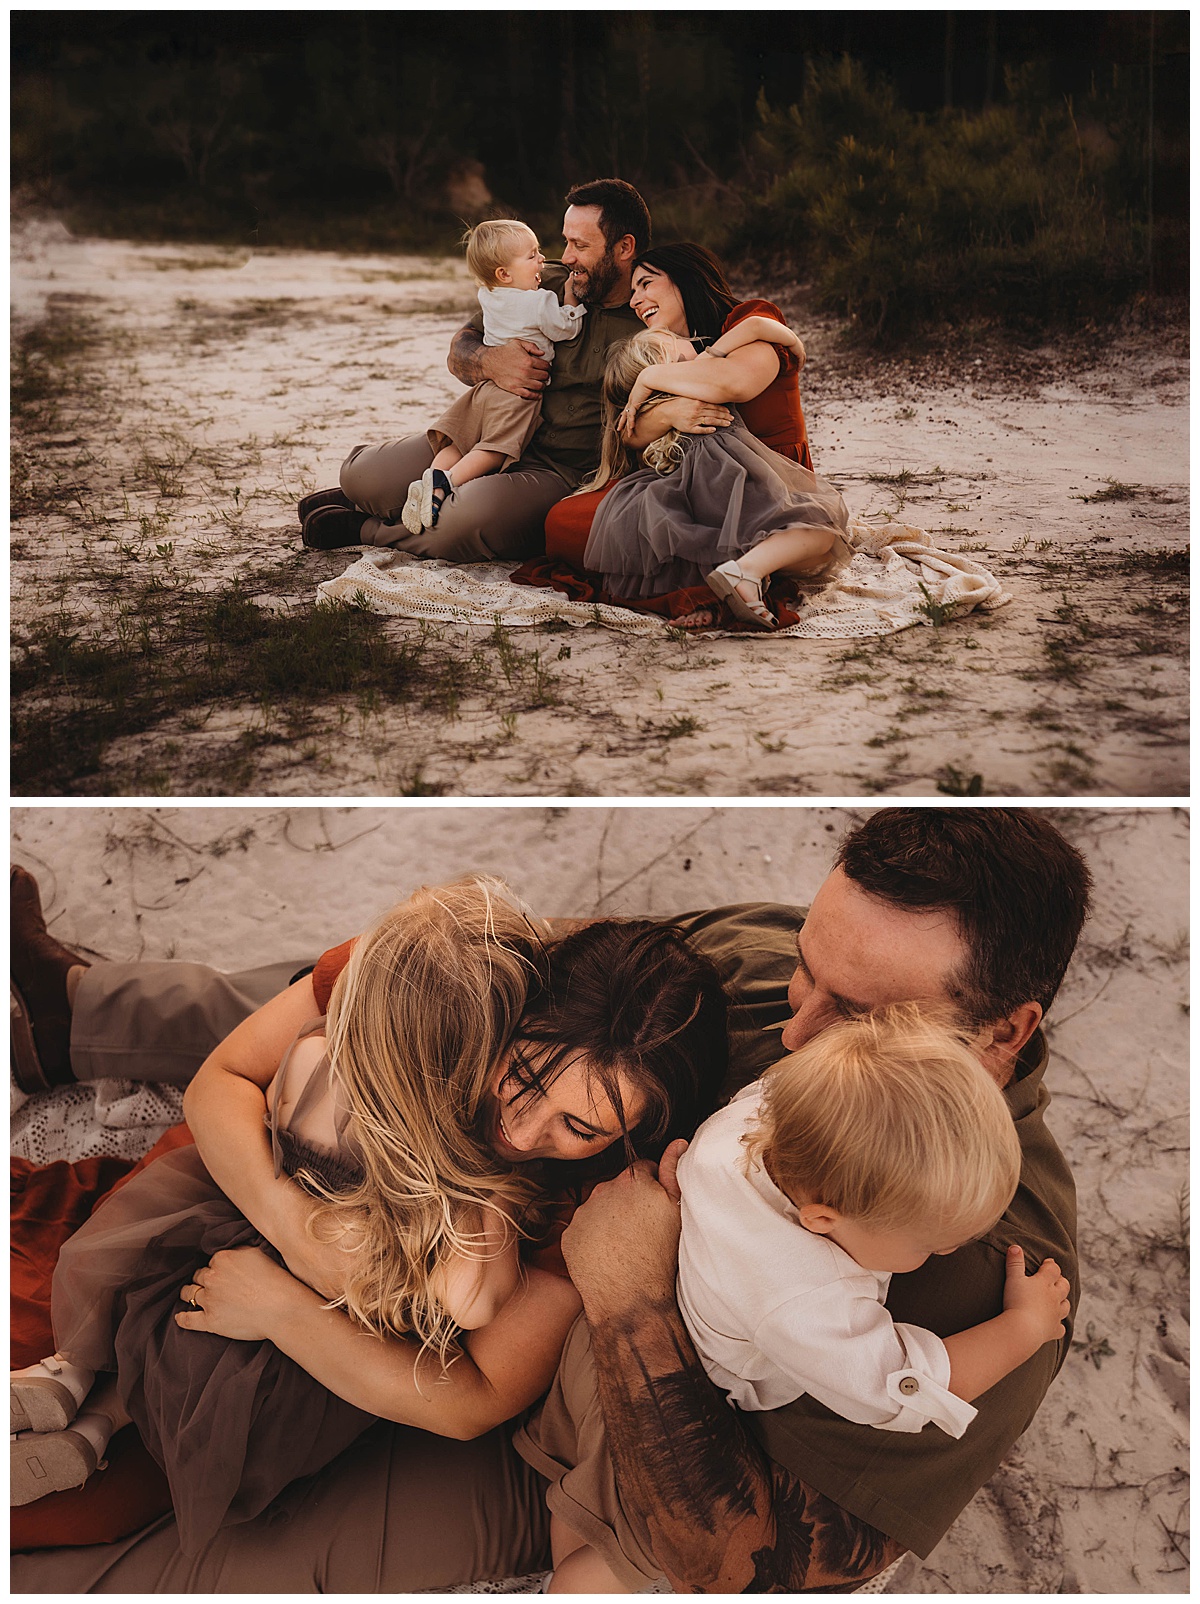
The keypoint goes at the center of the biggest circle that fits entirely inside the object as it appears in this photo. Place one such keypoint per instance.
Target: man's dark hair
(622, 210)
(1018, 890)
(700, 279)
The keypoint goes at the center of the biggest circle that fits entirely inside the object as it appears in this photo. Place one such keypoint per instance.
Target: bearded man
(500, 517)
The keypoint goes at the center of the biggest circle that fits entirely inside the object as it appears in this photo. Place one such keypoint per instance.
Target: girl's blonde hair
(625, 362)
(891, 1120)
(418, 1023)
(493, 244)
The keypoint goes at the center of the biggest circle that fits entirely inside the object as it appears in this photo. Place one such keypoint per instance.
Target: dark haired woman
(416, 1085)
(682, 290)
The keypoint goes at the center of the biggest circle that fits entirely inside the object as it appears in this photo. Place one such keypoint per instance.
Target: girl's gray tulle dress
(655, 533)
(231, 1423)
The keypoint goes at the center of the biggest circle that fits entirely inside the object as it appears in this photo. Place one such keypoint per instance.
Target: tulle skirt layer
(661, 532)
(231, 1423)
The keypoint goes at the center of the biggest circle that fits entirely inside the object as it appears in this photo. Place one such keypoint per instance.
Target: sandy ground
(222, 385)
(1094, 1497)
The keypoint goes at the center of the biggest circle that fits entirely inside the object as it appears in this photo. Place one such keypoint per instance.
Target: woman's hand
(689, 417)
(244, 1295)
(643, 389)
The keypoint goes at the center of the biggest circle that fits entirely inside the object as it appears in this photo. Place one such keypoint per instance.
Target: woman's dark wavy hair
(632, 998)
(700, 279)
(1017, 889)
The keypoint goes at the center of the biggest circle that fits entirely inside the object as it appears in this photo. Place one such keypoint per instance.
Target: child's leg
(459, 469)
(446, 458)
(427, 495)
(43, 1462)
(578, 1568)
(796, 551)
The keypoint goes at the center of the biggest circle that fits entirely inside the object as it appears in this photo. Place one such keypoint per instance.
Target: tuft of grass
(955, 782)
(674, 728)
(1116, 490)
(76, 691)
(938, 613)
(1094, 1347)
(1171, 561)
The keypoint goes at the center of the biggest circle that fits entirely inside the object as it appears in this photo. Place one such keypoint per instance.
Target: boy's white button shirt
(534, 315)
(776, 1311)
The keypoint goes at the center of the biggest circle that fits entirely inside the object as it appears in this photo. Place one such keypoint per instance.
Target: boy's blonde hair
(493, 244)
(625, 362)
(891, 1120)
(419, 1020)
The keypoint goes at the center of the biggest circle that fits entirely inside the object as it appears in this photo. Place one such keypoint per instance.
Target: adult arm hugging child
(879, 1143)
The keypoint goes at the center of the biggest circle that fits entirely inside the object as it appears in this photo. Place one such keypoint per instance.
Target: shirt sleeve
(842, 1345)
(559, 322)
(788, 361)
(326, 970)
(753, 308)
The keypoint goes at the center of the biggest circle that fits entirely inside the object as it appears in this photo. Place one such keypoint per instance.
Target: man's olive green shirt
(911, 1486)
(568, 437)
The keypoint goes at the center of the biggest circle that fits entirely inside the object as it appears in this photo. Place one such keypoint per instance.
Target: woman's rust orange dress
(775, 416)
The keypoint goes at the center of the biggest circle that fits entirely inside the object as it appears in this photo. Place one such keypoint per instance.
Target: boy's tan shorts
(565, 1441)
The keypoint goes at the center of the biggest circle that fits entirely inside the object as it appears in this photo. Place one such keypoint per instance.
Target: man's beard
(601, 280)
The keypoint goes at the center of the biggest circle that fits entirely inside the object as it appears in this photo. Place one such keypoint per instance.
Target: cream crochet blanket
(896, 578)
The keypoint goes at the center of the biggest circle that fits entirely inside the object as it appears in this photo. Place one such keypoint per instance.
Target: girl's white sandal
(724, 581)
(51, 1463)
(42, 1402)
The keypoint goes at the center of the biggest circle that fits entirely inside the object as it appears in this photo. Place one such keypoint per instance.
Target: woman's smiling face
(657, 301)
(570, 1118)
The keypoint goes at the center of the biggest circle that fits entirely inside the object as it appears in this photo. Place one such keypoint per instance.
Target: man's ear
(998, 1044)
(625, 249)
(818, 1217)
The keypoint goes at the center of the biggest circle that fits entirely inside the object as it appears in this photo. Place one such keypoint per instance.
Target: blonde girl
(719, 509)
(398, 1172)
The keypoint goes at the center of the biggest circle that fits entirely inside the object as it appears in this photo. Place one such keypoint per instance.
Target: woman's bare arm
(225, 1107)
(689, 417)
(506, 1366)
(474, 1286)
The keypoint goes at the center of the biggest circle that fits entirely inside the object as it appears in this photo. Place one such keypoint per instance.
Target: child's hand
(1041, 1301)
(640, 393)
(569, 296)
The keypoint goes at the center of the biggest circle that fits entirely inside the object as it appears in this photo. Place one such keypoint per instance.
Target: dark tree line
(387, 128)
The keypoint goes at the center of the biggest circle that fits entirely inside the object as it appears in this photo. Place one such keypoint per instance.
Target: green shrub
(904, 220)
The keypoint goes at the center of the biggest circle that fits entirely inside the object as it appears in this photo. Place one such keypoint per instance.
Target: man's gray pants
(500, 517)
(160, 1021)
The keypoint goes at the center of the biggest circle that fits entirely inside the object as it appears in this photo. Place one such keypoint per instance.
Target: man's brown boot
(40, 1014)
(336, 497)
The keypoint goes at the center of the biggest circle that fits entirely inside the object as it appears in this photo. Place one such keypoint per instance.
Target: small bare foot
(700, 618)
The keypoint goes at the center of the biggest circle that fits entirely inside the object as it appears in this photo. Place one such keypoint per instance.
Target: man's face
(595, 270)
(857, 953)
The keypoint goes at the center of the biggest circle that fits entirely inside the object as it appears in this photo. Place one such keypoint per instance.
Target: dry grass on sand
(173, 402)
